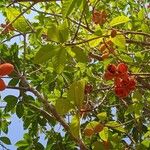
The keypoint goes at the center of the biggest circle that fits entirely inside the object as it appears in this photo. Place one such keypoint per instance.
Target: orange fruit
(6, 69)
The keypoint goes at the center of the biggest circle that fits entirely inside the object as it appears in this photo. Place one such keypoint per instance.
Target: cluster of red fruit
(124, 82)
(5, 69)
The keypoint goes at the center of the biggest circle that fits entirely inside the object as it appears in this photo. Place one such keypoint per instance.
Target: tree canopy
(82, 70)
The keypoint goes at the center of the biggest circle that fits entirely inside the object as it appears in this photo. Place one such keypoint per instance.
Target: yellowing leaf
(119, 40)
(21, 23)
(104, 134)
(76, 93)
(62, 106)
(75, 126)
(119, 20)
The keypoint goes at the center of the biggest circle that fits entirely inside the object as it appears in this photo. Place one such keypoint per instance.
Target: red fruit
(112, 68)
(2, 85)
(121, 92)
(132, 83)
(108, 76)
(88, 88)
(122, 68)
(6, 69)
(117, 82)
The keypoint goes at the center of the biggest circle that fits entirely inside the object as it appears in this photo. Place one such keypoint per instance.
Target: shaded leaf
(45, 53)
(62, 106)
(76, 93)
(11, 102)
(5, 140)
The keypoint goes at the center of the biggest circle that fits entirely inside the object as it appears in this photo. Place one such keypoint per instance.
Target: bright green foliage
(21, 24)
(56, 50)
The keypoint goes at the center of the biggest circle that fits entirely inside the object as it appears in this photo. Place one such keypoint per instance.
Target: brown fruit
(105, 55)
(98, 128)
(88, 132)
(113, 33)
(6, 69)
(2, 85)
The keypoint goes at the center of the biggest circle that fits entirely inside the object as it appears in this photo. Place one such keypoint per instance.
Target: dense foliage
(82, 69)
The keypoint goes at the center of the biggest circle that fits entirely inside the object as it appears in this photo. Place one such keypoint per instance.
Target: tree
(82, 65)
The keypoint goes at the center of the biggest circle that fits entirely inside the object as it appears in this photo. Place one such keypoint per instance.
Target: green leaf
(68, 6)
(63, 32)
(146, 143)
(19, 109)
(59, 60)
(45, 53)
(53, 33)
(102, 116)
(80, 54)
(92, 125)
(11, 102)
(118, 20)
(58, 33)
(115, 125)
(104, 134)
(76, 93)
(5, 140)
(119, 40)
(62, 106)
(21, 143)
(75, 126)
(21, 23)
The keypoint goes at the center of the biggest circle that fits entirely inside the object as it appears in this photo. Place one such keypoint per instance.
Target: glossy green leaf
(21, 143)
(118, 20)
(11, 102)
(104, 134)
(19, 109)
(102, 116)
(5, 140)
(21, 23)
(76, 92)
(115, 125)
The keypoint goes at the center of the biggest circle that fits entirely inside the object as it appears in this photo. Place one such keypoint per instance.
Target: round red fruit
(2, 85)
(108, 76)
(132, 83)
(112, 68)
(122, 68)
(121, 92)
(6, 69)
